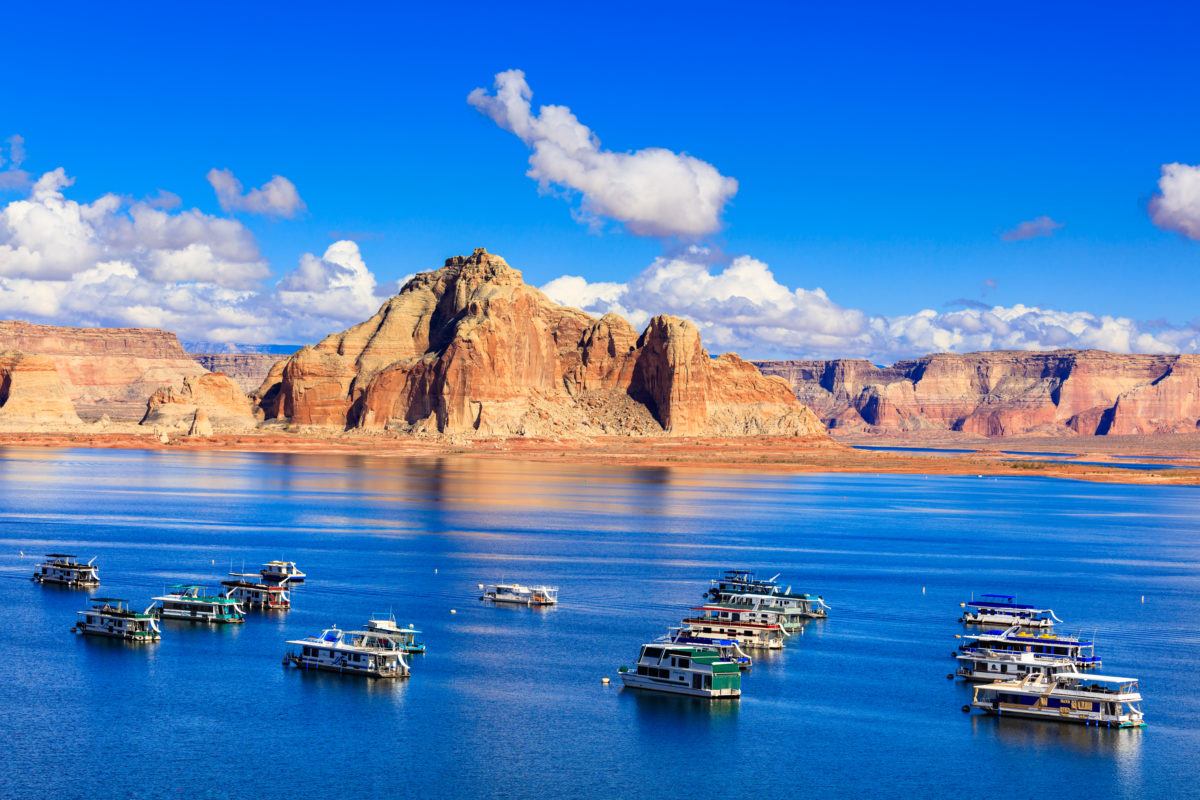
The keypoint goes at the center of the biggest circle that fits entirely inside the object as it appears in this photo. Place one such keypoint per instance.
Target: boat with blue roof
(1003, 610)
(365, 653)
(1017, 651)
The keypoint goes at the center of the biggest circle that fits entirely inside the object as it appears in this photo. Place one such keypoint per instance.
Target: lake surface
(508, 703)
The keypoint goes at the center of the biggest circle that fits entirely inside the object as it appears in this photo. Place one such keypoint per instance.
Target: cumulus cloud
(275, 198)
(1038, 227)
(1176, 207)
(116, 261)
(743, 307)
(13, 177)
(653, 192)
(332, 290)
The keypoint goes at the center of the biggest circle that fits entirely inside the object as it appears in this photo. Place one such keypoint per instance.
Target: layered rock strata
(32, 395)
(471, 349)
(203, 403)
(1003, 393)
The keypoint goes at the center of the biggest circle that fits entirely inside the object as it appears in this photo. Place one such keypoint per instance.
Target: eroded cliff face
(1004, 393)
(248, 369)
(203, 403)
(471, 349)
(105, 370)
(32, 395)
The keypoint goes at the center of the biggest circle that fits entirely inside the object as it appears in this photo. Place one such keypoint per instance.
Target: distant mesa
(471, 349)
(1003, 393)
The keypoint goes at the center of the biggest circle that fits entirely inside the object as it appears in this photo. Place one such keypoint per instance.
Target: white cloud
(743, 307)
(13, 177)
(275, 198)
(122, 262)
(1036, 228)
(331, 291)
(654, 191)
(1177, 205)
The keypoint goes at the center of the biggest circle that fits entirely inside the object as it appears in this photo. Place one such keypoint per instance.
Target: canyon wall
(470, 349)
(249, 370)
(1003, 393)
(104, 370)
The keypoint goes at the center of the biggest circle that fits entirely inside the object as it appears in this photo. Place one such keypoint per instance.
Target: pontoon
(63, 569)
(194, 603)
(697, 671)
(112, 617)
(364, 653)
(1086, 699)
(1004, 610)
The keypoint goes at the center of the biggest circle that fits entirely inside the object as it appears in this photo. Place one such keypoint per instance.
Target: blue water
(508, 703)
(900, 449)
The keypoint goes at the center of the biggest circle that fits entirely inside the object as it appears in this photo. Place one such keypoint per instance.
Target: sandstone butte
(470, 349)
(203, 403)
(104, 370)
(1003, 393)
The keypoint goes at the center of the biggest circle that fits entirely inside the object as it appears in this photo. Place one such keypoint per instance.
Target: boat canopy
(59, 555)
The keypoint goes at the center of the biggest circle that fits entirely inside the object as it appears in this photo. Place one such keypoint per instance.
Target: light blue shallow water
(508, 703)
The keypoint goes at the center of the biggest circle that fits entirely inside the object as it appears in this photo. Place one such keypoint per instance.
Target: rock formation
(32, 395)
(105, 370)
(203, 403)
(1003, 393)
(248, 369)
(471, 349)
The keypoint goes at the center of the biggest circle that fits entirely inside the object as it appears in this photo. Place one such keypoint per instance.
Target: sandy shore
(987, 457)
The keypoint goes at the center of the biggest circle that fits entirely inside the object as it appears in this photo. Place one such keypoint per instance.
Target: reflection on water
(508, 700)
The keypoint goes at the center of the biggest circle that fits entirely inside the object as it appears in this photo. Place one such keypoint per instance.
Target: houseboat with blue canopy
(65, 570)
(1003, 610)
(385, 625)
(696, 671)
(1081, 698)
(365, 653)
(1015, 639)
(727, 649)
(112, 617)
(195, 603)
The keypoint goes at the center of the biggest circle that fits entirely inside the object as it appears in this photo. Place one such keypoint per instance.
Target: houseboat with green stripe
(691, 670)
(112, 617)
(195, 603)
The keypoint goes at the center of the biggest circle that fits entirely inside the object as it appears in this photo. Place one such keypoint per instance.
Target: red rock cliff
(471, 349)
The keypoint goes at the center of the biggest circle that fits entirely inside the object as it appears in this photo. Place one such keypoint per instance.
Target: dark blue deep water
(508, 703)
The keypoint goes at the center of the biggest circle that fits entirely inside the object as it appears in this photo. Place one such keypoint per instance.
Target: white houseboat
(194, 603)
(1066, 697)
(366, 653)
(257, 593)
(743, 581)
(793, 610)
(1047, 644)
(65, 570)
(697, 671)
(518, 594)
(282, 572)
(727, 649)
(385, 624)
(112, 617)
(1003, 610)
(757, 630)
(981, 665)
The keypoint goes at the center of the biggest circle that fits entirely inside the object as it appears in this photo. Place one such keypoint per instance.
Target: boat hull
(1060, 715)
(74, 583)
(114, 634)
(632, 680)
(208, 619)
(307, 664)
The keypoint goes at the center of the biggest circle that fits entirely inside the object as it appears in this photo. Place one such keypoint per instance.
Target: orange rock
(205, 402)
(32, 394)
(471, 349)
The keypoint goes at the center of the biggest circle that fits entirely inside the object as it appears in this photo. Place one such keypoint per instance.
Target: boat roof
(108, 600)
(60, 555)
(1030, 637)
(1009, 597)
(279, 563)
(1004, 604)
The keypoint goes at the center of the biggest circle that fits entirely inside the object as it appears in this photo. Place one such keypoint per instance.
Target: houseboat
(112, 617)
(517, 594)
(984, 665)
(794, 610)
(753, 630)
(194, 603)
(63, 569)
(697, 671)
(742, 581)
(281, 572)
(727, 649)
(1080, 652)
(252, 593)
(1003, 610)
(385, 625)
(1086, 699)
(365, 653)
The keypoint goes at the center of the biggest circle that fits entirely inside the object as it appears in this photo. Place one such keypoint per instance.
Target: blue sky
(880, 152)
